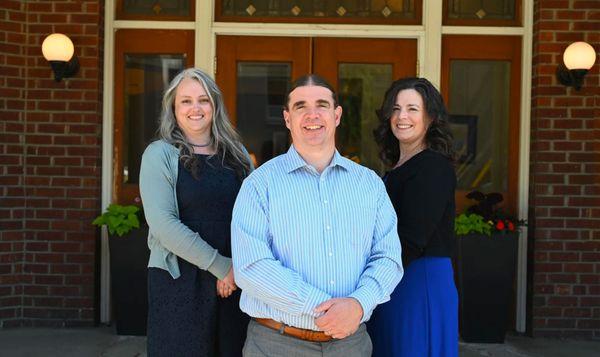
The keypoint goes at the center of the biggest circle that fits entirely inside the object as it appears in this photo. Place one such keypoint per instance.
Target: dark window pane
(481, 9)
(261, 89)
(370, 9)
(479, 107)
(157, 7)
(361, 89)
(146, 78)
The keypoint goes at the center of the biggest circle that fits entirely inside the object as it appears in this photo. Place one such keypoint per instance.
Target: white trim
(432, 45)
(203, 36)
(316, 30)
(484, 30)
(524, 157)
(155, 25)
(107, 153)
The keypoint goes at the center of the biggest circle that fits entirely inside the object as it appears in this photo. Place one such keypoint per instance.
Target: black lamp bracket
(64, 69)
(570, 78)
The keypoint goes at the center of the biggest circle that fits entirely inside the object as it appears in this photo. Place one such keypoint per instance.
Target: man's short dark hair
(310, 80)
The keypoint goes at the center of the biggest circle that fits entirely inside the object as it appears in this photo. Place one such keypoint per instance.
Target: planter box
(129, 281)
(486, 272)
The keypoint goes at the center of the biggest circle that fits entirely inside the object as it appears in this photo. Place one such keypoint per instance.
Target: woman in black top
(421, 319)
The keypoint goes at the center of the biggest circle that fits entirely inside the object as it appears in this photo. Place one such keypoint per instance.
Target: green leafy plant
(467, 223)
(119, 219)
(486, 216)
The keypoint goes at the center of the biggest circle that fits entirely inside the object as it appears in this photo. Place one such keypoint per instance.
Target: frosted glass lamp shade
(579, 55)
(57, 47)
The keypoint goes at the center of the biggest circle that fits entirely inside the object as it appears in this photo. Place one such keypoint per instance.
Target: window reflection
(361, 89)
(479, 107)
(261, 89)
(146, 78)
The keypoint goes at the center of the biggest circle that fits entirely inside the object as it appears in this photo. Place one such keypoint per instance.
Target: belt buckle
(282, 329)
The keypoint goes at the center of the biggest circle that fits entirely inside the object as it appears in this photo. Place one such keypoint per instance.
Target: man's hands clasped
(341, 317)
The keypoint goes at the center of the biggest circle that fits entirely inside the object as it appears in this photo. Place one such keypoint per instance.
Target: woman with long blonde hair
(189, 180)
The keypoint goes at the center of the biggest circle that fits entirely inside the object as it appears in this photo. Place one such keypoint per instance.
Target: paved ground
(101, 341)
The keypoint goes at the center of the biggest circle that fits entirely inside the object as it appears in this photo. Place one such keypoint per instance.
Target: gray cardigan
(168, 237)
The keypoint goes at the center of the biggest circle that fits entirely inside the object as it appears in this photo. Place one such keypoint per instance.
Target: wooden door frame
(133, 41)
(334, 50)
(503, 48)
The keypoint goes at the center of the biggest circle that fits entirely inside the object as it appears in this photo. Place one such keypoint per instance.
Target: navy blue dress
(186, 317)
(421, 318)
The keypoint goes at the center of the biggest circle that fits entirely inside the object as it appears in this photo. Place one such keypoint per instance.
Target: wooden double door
(254, 74)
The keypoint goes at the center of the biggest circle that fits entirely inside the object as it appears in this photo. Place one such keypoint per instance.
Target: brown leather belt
(303, 334)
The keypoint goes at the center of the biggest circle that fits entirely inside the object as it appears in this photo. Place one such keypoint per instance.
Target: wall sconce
(59, 51)
(578, 58)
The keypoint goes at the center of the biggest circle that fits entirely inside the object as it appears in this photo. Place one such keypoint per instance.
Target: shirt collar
(294, 161)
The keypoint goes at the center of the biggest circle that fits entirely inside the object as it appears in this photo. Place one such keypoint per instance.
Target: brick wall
(12, 118)
(565, 176)
(50, 151)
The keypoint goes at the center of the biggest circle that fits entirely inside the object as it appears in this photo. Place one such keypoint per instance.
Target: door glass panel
(479, 108)
(307, 9)
(261, 89)
(361, 89)
(481, 9)
(153, 8)
(146, 78)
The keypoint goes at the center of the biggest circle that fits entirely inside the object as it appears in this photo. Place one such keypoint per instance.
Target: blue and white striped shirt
(300, 238)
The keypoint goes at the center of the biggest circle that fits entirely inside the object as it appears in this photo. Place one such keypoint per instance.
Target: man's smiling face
(311, 116)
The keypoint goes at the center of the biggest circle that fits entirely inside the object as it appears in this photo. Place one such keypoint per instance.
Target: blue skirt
(421, 318)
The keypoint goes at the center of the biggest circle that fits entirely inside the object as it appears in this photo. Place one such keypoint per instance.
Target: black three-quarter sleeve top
(422, 192)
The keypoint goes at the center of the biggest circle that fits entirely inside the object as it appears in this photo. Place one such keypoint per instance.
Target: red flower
(511, 226)
(500, 225)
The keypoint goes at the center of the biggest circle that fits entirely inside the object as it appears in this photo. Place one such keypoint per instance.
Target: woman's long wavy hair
(225, 138)
(438, 136)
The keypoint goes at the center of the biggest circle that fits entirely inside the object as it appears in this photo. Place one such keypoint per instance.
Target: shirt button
(332, 282)
(328, 227)
(325, 202)
(330, 254)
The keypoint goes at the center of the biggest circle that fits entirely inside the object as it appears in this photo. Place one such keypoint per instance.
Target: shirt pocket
(359, 226)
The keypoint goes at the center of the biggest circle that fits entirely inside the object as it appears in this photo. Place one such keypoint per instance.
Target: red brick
(567, 146)
(570, 15)
(562, 301)
(584, 25)
(592, 168)
(65, 269)
(584, 201)
(583, 223)
(49, 279)
(564, 234)
(564, 257)
(581, 135)
(562, 278)
(584, 157)
(588, 324)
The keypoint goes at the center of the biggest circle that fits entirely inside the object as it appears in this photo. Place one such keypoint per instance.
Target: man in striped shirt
(314, 240)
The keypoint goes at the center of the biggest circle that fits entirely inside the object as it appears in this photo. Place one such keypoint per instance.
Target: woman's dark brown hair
(438, 137)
